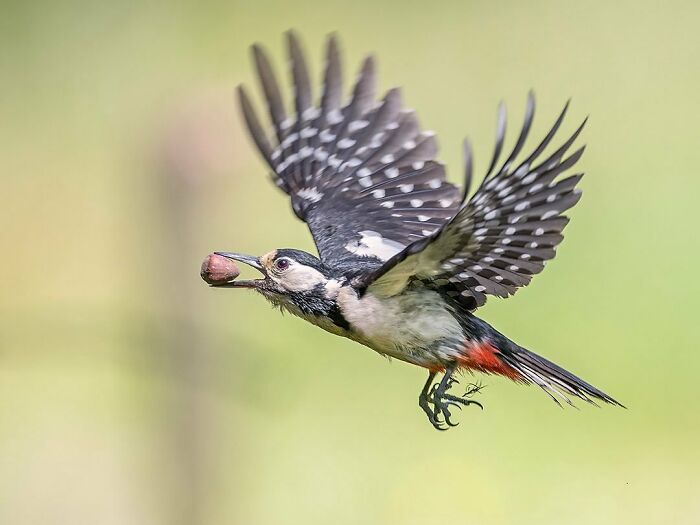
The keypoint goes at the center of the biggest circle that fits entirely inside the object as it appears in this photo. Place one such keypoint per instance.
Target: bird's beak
(251, 261)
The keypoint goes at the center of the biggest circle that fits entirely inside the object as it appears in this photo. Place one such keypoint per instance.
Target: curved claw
(437, 395)
(447, 415)
(452, 403)
(452, 425)
(440, 425)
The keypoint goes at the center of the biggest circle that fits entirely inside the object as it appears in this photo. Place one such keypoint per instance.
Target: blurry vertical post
(190, 150)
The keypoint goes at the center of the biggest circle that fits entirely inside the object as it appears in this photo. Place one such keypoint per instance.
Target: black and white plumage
(405, 256)
(361, 173)
(504, 234)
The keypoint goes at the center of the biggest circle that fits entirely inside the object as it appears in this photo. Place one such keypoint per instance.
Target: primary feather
(362, 175)
(365, 179)
(504, 234)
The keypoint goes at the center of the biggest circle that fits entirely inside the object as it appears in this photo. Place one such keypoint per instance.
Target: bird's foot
(439, 413)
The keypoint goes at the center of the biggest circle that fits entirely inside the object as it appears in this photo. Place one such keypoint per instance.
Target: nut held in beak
(218, 270)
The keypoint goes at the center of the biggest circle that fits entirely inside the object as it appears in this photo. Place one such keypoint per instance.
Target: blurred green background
(130, 392)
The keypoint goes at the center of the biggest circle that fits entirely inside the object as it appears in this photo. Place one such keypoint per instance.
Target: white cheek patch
(372, 244)
(299, 278)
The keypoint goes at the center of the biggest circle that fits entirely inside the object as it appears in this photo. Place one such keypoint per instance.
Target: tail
(553, 379)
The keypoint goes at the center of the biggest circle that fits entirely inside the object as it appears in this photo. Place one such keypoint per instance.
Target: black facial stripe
(314, 302)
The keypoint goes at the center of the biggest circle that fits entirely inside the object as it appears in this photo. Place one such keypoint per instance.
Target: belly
(416, 326)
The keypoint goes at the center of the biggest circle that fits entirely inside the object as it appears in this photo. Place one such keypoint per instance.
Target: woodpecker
(405, 257)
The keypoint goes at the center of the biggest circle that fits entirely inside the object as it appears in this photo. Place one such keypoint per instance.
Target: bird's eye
(281, 264)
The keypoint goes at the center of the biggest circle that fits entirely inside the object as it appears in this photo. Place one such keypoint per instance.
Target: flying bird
(405, 257)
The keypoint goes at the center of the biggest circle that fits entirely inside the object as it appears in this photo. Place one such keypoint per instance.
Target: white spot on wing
(308, 132)
(530, 178)
(335, 116)
(310, 194)
(357, 125)
(372, 244)
(365, 182)
(327, 136)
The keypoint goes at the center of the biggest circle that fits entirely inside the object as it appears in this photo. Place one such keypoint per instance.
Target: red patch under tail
(484, 357)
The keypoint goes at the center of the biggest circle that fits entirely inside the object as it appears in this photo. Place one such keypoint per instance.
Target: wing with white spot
(505, 233)
(361, 174)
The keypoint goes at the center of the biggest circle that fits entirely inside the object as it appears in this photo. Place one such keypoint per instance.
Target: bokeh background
(130, 392)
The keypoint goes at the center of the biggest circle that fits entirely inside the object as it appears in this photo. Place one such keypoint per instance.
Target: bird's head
(290, 277)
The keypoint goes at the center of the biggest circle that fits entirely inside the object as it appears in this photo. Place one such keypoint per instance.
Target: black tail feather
(553, 379)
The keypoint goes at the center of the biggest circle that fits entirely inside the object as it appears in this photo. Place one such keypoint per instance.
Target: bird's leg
(424, 401)
(441, 400)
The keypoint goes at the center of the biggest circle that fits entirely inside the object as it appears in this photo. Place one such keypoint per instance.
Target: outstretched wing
(505, 233)
(362, 175)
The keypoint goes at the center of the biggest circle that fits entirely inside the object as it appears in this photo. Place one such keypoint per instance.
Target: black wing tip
(260, 58)
(584, 122)
(332, 43)
(467, 151)
(468, 155)
(293, 38)
(576, 155)
(242, 93)
(293, 41)
(369, 64)
(501, 120)
(501, 113)
(258, 51)
(531, 102)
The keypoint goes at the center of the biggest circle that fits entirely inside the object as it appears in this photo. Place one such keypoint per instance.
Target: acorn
(218, 270)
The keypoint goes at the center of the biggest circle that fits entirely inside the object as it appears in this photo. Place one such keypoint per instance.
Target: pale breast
(401, 326)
